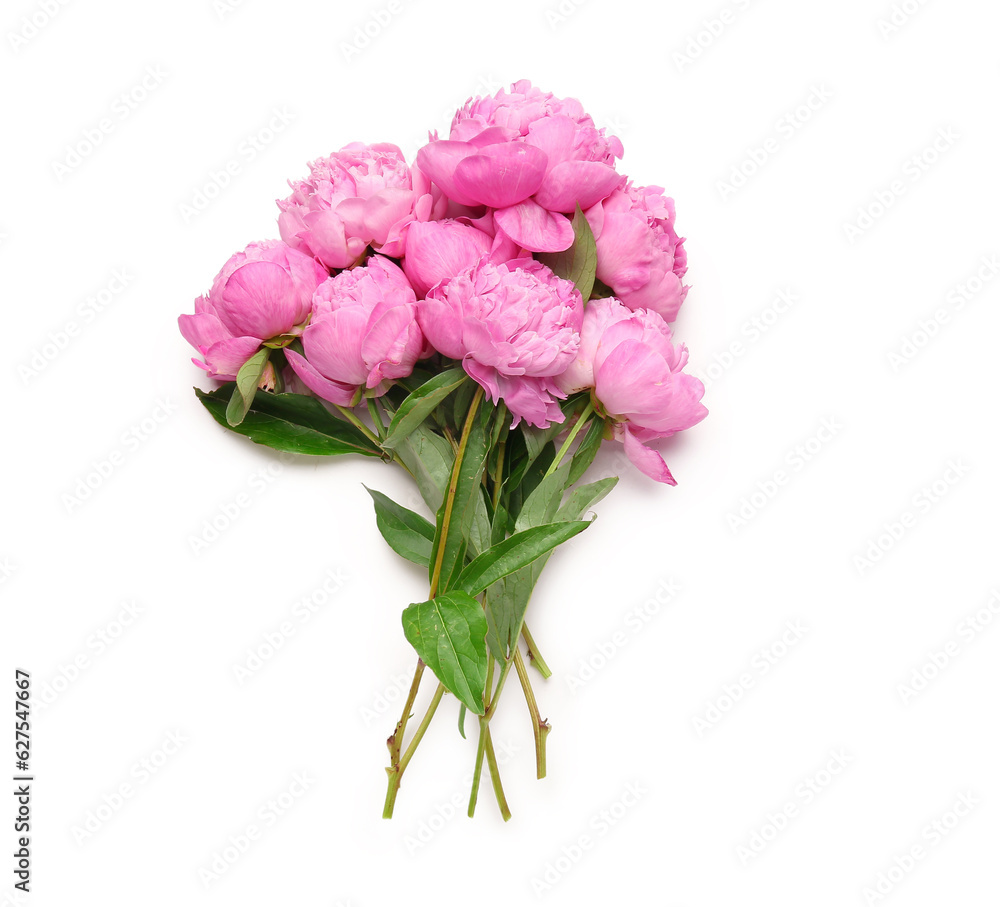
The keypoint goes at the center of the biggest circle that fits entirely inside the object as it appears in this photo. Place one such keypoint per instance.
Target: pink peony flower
(440, 249)
(260, 293)
(363, 333)
(639, 254)
(514, 327)
(530, 156)
(635, 373)
(359, 196)
(514, 111)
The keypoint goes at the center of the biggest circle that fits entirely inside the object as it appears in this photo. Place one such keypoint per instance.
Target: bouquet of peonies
(485, 318)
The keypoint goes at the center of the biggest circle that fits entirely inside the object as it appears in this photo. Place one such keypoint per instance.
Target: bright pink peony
(530, 156)
(359, 196)
(363, 333)
(514, 327)
(635, 371)
(260, 293)
(440, 249)
(639, 254)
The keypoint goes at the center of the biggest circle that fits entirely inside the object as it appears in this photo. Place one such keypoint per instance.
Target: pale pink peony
(440, 249)
(530, 156)
(514, 327)
(639, 255)
(634, 370)
(359, 196)
(363, 333)
(260, 293)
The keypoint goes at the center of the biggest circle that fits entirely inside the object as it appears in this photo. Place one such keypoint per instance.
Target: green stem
(571, 437)
(396, 740)
(486, 748)
(396, 772)
(418, 736)
(395, 743)
(501, 449)
(477, 772)
(539, 727)
(491, 759)
(492, 707)
(367, 432)
(358, 424)
(534, 656)
(449, 502)
(397, 765)
(481, 749)
(490, 662)
(376, 419)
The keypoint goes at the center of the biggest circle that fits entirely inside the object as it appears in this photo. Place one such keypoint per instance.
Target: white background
(319, 706)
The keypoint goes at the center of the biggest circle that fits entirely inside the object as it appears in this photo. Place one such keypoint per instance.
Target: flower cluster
(383, 264)
(484, 317)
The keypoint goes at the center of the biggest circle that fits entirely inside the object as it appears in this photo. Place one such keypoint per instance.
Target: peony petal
(595, 217)
(530, 399)
(684, 410)
(351, 212)
(646, 460)
(493, 136)
(438, 161)
(202, 330)
(485, 376)
(501, 175)
(291, 227)
(327, 239)
(384, 210)
(534, 228)
(391, 345)
(334, 391)
(441, 325)
(573, 183)
(223, 359)
(332, 343)
(555, 136)
(625, 252)
(439, 250)
(260, 300)
(631, 378)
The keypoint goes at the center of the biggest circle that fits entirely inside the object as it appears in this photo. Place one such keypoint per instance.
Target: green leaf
(459, 406)
(514, 553)
(541, 505)
(481, 529)
(291, 422)
(601, 290)
(448, 579)
(429, 458)
(585, 497)
(524, 481)
(245, 388)
(498, 531)
(579, 262)
(449, 634)
(420, 404)
(536, 438)
(587, 450)
(412, 381)
(507, 600)
(461, 720)
(408, 533)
